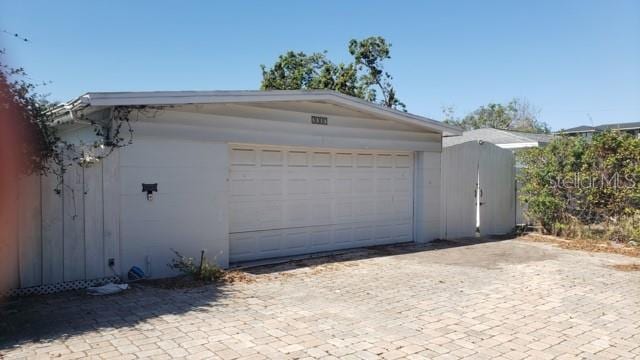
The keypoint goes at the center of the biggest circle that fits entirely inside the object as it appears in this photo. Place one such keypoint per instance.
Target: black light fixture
(150, 189)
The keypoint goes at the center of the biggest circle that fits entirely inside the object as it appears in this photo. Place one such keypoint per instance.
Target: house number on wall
(319, 120)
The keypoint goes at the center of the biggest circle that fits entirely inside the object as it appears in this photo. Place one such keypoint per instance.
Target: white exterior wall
(189, 213)
(427, 204)
(186, 153)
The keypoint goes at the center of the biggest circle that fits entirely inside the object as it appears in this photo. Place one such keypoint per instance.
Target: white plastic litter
(107, 289)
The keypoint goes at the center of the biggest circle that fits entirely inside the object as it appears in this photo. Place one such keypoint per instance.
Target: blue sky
(578, 61)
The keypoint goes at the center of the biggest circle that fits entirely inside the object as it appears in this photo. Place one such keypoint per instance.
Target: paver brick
(473, 302)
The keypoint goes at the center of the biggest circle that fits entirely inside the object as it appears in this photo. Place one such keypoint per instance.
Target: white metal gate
(478, 190)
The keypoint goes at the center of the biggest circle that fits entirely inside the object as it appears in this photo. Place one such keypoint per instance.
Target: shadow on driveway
(63, 315)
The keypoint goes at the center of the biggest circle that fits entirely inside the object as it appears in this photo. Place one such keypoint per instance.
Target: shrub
(579, 188)
(204, 271)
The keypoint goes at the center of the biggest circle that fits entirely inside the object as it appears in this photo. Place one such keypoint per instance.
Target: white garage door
(287, 201)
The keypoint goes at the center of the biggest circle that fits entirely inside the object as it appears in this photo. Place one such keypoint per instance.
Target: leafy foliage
(29, 118)
(203, 271)
(573, 182)
(517, 115)
(39, 147)
(365, 77)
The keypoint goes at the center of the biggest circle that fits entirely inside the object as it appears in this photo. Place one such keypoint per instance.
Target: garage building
(246, 175)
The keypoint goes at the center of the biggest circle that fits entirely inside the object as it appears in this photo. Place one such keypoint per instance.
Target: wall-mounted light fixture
(150, 189)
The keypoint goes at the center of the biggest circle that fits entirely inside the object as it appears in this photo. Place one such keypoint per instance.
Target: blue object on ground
(135, 273)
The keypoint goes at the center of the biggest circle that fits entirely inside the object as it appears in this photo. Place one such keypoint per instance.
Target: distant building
(586, 131)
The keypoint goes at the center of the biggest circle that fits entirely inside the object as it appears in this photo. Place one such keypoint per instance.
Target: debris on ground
(188, 282)
(626, 267)
(237, 276)
(584, 244)
(107, 289)
(176, 282)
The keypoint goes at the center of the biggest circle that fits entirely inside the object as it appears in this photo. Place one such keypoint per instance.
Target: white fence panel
(52, 233)
(61, 237)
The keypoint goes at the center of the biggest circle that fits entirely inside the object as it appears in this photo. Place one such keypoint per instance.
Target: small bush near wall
(203, 271)
(584, 188)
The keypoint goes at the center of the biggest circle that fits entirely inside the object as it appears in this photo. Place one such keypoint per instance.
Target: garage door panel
(343, 185)
(320, 238)
(402, 161)
(296, 239)
(343, 234)
(384, 207)
(321, 186)
(243, 157)
(384, 161)
(402, 207)
(272, 186)
(384, 232)
(321, 211)
(364, 160)
(243, 217)
(384, 185)
(243, 187)
(271, 214)
(297, 213)
(402, 231)
(344, 159)
(272, 158)
(288, 201)
(297, 159)
(363, 233)
(321, 159)
(244, 245)
(364, 209)
(343, 211)
(401, 184)
(297, 185)
(365, 184)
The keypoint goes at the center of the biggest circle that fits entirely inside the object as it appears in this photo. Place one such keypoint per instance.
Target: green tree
(364, 78)
(517, 115)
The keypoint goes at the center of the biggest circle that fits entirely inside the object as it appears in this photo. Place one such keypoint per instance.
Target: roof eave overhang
(101, 100)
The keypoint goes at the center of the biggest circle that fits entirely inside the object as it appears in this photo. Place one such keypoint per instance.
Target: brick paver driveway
(508, 299)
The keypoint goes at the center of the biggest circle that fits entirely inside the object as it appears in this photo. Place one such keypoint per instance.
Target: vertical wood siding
(61, 237)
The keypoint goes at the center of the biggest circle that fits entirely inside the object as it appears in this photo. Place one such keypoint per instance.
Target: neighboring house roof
(98, 100)
(503, 138)
(603, 127)
(579, 129)
(620, 126)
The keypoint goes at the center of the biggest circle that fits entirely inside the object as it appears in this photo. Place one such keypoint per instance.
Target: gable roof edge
(107, 99)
